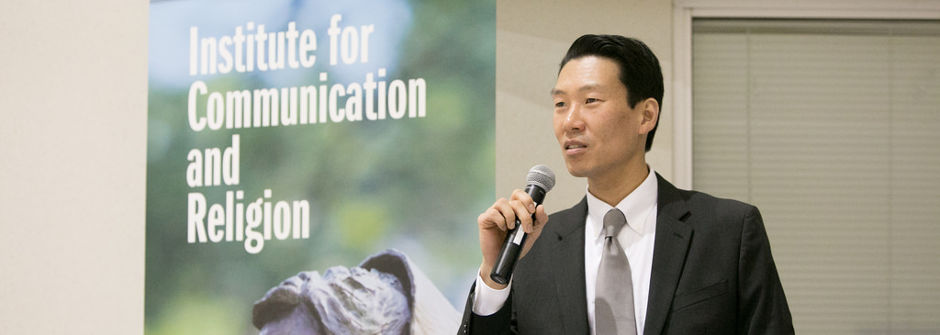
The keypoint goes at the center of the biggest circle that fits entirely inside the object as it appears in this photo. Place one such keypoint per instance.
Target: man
(636, 255)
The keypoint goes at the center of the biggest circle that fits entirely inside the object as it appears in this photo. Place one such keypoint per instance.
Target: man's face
(600, 134)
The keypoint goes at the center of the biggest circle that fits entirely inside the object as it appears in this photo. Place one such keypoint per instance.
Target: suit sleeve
(498, 323)
(762, 304)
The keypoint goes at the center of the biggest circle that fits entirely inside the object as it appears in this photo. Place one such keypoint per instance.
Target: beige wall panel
(73, 100)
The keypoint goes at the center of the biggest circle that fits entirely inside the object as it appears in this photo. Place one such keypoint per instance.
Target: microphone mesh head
(541, 176)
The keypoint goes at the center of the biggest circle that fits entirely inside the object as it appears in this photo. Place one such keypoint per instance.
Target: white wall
(73, 114)
(73, 100)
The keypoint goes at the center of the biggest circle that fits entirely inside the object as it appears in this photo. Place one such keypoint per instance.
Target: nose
(573, 121)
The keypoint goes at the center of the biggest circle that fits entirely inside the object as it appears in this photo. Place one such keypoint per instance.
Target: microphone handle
(515, 239)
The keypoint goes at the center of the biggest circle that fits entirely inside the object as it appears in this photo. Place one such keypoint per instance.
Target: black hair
(639, 67)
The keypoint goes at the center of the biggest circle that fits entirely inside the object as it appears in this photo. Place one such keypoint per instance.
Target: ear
(649, 112)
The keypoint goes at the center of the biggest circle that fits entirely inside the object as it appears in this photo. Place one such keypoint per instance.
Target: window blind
(831, 128)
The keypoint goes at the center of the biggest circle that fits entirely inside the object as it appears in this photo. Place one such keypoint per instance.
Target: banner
(316, 166)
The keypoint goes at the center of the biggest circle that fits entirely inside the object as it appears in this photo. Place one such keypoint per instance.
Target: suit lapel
(568, 251)
(669, 251)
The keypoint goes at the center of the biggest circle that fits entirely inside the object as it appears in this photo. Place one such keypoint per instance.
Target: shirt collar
(635, 206)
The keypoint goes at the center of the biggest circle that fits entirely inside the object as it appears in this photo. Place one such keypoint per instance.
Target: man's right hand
(495, 222)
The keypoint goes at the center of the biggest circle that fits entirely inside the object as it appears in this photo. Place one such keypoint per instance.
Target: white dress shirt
(639, 207)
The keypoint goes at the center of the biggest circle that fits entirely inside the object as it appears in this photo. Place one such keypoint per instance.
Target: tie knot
(613, 222)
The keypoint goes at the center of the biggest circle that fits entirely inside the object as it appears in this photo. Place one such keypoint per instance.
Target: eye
(591, 100)
(560, 104)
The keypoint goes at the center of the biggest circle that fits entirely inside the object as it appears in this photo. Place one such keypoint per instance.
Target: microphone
(539, 181)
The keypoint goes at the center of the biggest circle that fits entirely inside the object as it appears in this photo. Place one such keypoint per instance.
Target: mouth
(574, 147)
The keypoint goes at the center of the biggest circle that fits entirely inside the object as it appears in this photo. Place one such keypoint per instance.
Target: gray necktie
(613, 302)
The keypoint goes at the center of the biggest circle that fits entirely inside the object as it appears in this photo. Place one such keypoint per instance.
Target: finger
(536, 225)
(539, 223)
(526, 200)
(528, 226)
(491, 218)
(541, 218)
(507, 212)
(522, 214)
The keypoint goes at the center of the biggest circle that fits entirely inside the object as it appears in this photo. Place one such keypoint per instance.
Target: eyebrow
(587, 87)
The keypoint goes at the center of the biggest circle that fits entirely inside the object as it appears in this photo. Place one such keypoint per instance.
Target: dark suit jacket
(712, 273)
